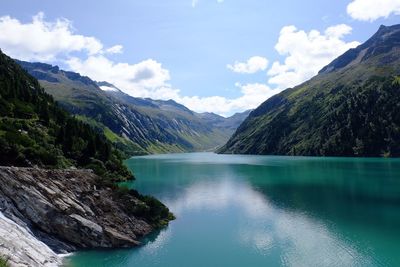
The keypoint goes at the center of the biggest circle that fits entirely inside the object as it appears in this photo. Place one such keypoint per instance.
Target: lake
(235, 210)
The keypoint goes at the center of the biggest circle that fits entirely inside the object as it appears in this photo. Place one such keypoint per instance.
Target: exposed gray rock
(66, 210)
(22, 249)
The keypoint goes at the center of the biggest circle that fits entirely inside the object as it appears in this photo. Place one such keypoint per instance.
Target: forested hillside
(351, 108)
(34, 131)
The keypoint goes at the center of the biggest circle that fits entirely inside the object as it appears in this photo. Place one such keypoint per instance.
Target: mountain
(42, 146)
(134, 125)
(229, 124)
(81, 96)
(351, 108)
(34, 131)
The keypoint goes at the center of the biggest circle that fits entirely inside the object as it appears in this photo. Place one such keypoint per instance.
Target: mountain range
(63, 138)
(351, 108)
(135, 125)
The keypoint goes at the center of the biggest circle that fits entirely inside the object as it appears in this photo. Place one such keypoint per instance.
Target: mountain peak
(384, 33)
(381, 43)
(50, 73)
(349, 110)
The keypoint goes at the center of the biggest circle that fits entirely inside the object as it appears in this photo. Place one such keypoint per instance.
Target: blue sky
(181, 49)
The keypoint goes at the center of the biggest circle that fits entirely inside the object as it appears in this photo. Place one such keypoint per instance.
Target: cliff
(65, 210)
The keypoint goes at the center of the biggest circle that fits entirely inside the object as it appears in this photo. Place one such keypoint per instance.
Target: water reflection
(267, 211)
(266, 229)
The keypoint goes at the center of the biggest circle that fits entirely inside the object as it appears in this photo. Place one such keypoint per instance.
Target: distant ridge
(135, 125)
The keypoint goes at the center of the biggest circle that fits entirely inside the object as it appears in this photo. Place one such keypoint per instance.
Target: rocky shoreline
(21, 248)
(64, 211)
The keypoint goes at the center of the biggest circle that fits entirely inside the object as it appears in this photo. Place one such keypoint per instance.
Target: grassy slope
(350, 111)
(196, 137)
(127, 147)
(134, 125)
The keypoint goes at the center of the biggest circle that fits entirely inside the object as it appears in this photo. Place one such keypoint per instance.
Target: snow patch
(108, 88)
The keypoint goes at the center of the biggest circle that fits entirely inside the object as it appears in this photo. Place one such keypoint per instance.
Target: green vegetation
(124, 145)
(360, 119)
(155, 212)
(352, 108)
(35, 131)
(135, 126)
(3, 262)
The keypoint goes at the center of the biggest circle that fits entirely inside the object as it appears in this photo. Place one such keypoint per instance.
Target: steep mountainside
(35, 131)
(351, 108)
(63, 205)
(135, 125)
(146, 105)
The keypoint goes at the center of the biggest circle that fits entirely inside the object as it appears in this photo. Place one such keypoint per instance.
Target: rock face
(64, 209)
(22, 249)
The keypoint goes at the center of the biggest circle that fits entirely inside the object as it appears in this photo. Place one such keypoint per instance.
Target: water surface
(235, 210)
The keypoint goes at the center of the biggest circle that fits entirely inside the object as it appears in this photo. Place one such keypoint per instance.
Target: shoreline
(45, 212)
(21, 248)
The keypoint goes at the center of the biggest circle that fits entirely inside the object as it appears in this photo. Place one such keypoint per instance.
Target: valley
(199, 134)
(135, 125)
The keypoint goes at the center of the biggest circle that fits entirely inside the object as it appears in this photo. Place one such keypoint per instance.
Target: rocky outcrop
(22, 249)
(64, 209)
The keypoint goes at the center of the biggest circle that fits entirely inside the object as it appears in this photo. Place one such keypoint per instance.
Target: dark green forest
(351, 108)
(34, 131)
(359, 119)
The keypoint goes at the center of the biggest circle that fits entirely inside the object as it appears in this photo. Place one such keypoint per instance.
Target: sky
(221, 56)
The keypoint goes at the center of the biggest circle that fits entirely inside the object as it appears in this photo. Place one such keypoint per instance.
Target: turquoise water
(266, 211)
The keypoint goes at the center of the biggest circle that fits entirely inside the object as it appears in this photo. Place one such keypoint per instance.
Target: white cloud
(370, 10)
(253, 65)
(46, 41)
(195, 2)
(56, 42)
(149, 79)
(116, 49)
(306, 53)
(252, 96)
(144, 79)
